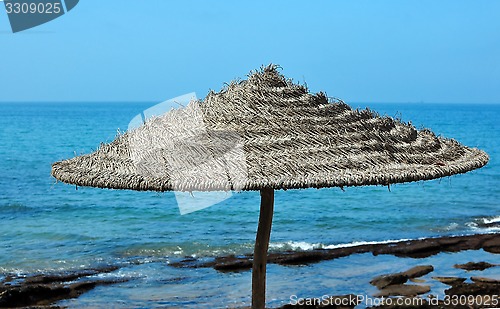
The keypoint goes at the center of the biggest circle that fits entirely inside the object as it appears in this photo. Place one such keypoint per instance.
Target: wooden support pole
(261, 247)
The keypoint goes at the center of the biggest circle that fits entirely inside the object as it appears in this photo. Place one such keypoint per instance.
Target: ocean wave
(294, 246)
(452, 227)
(305, 246)
(153, 252)
(360, 243)
(485, 224)
(491, 220)
(15, 208)
(148, 253)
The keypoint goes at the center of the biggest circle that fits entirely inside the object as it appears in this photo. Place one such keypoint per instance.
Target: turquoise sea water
(48, 226)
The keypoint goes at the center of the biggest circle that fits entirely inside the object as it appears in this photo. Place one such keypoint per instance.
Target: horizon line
(157, 101)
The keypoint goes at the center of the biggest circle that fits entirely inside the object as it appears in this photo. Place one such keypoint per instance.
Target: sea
(47, 226)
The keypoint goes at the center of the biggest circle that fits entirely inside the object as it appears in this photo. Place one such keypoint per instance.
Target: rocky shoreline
(44, 290)
(418, 248)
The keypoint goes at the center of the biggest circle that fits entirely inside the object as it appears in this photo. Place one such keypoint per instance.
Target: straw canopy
(268, 132)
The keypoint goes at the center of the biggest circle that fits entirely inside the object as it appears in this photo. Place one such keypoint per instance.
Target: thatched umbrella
(267, 133)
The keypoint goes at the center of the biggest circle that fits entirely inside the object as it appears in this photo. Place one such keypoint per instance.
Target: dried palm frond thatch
(268, 132)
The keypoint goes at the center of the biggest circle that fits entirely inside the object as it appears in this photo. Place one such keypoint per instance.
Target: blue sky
(360, 51)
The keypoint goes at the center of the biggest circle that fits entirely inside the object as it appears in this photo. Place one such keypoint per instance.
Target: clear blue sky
(360, 51)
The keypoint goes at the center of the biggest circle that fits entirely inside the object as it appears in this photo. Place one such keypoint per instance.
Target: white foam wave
(360, 243)
(491, 220)
(477, 228)
(486, 224)
(452, 226)
(305, 246)
(295, 245)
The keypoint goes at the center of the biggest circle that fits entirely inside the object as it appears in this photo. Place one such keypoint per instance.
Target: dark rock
(301, 258)
(45, 294)
(45, 307)
(190, 262)
(495, 250)
(7, 279)
(232, 264)
(450, 241)
(417, 280)
(38, 294)
(43, 290)
(385, 280)
(419, 271)
(403, 290)
(399, 278)
(492, 245)
(474, 243)
(173, 280)
(473, 289)
(450, 280)
(484, 280)
(474, 266)
(51, 278)
(419, 249)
